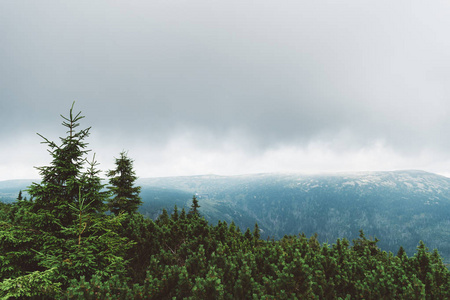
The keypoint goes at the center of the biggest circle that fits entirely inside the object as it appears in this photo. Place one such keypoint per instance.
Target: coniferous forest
(75, 237)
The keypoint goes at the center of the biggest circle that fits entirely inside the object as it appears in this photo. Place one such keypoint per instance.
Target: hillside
(401, 208)
(9, 189)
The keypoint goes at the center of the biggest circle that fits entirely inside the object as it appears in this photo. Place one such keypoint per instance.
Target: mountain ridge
(399, 207)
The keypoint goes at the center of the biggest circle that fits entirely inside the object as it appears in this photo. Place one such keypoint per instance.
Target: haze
(229, 87)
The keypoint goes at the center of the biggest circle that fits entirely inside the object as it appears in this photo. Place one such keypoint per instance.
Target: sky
(229, 87)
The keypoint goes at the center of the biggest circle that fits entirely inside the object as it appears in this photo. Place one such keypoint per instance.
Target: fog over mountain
(229, 87)
(400, 208)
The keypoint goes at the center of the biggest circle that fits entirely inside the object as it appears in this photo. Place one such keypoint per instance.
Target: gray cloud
(261, 75)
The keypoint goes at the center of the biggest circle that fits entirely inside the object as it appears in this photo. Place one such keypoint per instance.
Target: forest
(75, 237)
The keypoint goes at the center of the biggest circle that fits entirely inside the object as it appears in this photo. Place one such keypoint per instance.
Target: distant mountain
(400, 208)
(9, 189)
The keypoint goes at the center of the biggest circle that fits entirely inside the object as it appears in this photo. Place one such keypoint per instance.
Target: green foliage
(125, 195)
(35, 284)
(94, 248)
(61, 180)
(194, 207)
(92, 188)
(256, 232)
(101, 288)
(394, 206)
(15, 256)
(131, 257)
(62, 228)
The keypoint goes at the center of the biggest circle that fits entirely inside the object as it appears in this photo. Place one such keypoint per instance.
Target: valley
(399, 208)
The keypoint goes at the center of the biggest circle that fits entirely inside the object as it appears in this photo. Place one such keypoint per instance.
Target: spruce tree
(92, 188)
(125, 195)
(163, 218)
(194, 207)
(256, 232)
(183, 214)
(175, 214)
(60, 182)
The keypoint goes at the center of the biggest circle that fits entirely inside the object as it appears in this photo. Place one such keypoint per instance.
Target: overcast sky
(229, 87)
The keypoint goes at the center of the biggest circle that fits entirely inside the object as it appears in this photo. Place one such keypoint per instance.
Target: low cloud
(232, 87)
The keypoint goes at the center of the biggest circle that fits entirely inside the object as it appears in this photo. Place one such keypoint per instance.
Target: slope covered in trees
(181, 255)
(399, 207)
(61, 244)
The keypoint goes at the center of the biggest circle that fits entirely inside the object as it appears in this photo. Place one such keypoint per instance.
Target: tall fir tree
(60, 184)
(125, 194)
(256, 232)
(92, 188)
(194, 207)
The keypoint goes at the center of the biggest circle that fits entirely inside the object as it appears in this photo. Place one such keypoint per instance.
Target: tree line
(76, 238)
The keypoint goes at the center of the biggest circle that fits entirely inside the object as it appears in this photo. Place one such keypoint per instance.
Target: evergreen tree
(163, 218)
(194, 207)
(60, 182)
(256, 232)
(175, 214)
(92, 189)
(125, 195)
(401, 252)
(183, 214)
(248, 234)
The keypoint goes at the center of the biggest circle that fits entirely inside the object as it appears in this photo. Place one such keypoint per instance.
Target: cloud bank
(191, 87)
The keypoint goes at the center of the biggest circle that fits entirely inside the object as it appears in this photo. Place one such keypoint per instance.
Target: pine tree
(125, 195)
(60, 182)
(92, 188)
(248, 234)
(194, 207)
(163, 218)
(175, 214)
(401, 252)
(183, 214)
(256, 232)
